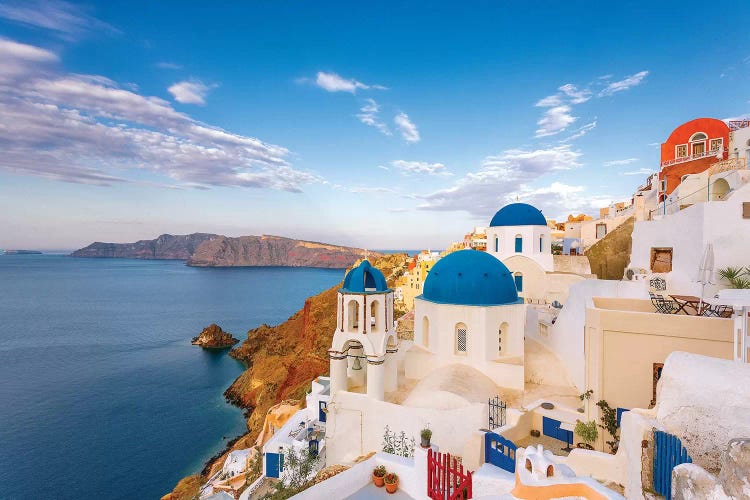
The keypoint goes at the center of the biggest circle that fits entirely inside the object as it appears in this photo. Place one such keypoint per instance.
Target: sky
(374, 124)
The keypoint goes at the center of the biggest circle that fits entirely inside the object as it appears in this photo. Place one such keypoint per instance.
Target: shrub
(397, 444)
(609, 422)
(587, 431)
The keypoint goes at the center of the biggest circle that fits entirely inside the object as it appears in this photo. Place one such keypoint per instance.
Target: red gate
(446, 479)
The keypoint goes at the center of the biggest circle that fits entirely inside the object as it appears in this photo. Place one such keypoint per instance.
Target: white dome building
(470, 314)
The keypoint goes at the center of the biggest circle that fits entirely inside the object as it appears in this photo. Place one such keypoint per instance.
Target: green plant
(586, 395)
(425, 433)
(609, 422)
(738, 277)
(379, 471)
(391, 478)
(255, 469)
(398, 444)
(587, 431)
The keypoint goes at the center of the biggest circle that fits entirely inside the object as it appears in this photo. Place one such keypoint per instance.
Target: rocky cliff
(281, 361)
(610, 256)
(213, 337)
(166, 246)
(213, 250)
(273, 251)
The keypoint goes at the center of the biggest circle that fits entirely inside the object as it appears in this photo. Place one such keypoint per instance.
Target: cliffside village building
(515, 348)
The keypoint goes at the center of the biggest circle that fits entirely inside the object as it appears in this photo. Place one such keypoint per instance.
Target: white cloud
(555, 120)
(408, 130)
(369, 115)
(500, 179)
(168, 65)
(190, 92)
(549, 101)
(626, 161)
(335, 83)
(86, 129)
(624, 84)
(640, 171)
(420, 167)
(65, 19)
(581, 131)
(577, 96)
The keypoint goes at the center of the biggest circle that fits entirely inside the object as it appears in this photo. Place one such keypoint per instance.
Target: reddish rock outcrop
(213, 337)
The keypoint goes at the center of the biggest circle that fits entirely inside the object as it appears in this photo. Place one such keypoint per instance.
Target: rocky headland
(166, 246)
(281, 361)
(213, 337)
(213, 250)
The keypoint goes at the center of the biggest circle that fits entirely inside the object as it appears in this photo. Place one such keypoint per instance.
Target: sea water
(101, 393)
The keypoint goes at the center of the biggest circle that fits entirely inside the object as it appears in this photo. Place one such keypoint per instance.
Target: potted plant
(588, 432)
(425, 434)
(378, 475)
(391, 482)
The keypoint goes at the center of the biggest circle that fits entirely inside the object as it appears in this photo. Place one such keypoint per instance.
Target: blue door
(551, 428)
(272, 465)
(499, 451)
(519, 282)
(322, 405)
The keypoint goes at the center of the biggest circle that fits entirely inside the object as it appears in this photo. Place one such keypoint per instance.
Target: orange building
(690, 149)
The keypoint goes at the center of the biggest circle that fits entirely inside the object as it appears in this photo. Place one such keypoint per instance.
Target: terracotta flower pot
(392, 487)
(425, 442)
(379, 481)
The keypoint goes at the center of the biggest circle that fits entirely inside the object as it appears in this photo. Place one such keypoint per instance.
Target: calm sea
(101, 393)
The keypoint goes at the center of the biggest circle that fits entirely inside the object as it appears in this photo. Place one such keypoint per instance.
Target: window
(699, 148)
(699, 136)
(661, 260)
(698, 143)
(716, 144)
(497, 244)
(501, 333)
(681, 151)
(353, 314)
(461, 339)
(518, 278)
(519, 243)
(541, 244)
(663, 185)
(601, 231)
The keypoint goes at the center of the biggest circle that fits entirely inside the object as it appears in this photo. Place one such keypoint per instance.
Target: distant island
(214, 250)
(21, 252)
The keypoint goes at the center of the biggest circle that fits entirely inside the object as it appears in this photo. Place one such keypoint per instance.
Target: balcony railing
(715, 152)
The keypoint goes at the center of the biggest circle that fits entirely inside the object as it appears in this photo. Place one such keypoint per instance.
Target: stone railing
(715, 152)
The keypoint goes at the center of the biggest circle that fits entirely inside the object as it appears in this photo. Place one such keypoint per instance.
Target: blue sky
(383, 125)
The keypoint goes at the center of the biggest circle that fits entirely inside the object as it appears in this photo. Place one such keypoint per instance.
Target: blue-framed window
(518, 277)
(519, 243)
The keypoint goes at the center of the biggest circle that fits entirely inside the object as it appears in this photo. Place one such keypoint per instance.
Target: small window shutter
(746, 210)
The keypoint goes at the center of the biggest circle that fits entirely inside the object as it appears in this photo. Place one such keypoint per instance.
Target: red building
(690, 149)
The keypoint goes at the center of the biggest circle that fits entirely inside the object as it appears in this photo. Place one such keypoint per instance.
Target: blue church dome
(364, 279)
(518, 214)
(470, 278)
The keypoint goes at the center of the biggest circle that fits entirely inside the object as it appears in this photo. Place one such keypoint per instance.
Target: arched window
(461, 339)
(353, 313)
(700, 136)
(375, 313)
(425, 332)
(519, 243)
(502, 333)
(518, 277)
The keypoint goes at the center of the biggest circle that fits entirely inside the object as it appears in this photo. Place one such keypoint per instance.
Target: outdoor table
(691, 302)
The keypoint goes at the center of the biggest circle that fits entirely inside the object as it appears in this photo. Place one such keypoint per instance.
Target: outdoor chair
(718, 311)
(663, 305)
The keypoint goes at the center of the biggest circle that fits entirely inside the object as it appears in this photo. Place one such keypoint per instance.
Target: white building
(520, 230)
(470, 314)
